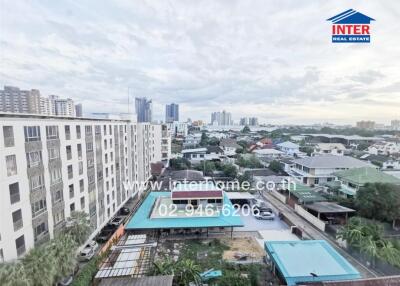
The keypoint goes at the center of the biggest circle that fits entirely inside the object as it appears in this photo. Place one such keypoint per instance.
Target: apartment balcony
(59, 227)
(36, 169)
(9, 142)
(33, 146)
(53, 143)
(37, 194)
(42, 238)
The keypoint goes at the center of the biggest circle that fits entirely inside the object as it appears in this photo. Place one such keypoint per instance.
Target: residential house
(289, 148)
(353, 179)
(384, 148)
(382, 161)
(319, 169)
(229, 146)
(329, 148)
(198, 155)
(192, 140)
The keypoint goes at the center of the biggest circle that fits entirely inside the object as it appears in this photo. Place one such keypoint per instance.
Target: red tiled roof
(196, 194)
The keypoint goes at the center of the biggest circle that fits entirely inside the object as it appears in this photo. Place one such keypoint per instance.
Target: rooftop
(288, 144)
(309, 260)
(163, 280)
(142, 219)
(362, 176)
(328, 207)
(331, 162)
(305, 193)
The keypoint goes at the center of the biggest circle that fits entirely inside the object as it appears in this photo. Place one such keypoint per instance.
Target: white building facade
(56, 165)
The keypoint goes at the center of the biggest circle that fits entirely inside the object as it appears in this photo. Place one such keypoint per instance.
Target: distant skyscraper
(14, 100)
(395, 124)
(244, 121)
(143, 109)
(365, 124)
(171, 112)
(65, 107)
(221, 118)
(78, 110)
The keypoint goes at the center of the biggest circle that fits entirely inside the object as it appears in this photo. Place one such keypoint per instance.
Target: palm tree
(389, 253)
(188, 272)
(164, 267)
(13, 274)
(78, 226)
(63, 248)
(370, 247)
(40, 267)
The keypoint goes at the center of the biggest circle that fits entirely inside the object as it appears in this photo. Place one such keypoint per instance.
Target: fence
(309, 217)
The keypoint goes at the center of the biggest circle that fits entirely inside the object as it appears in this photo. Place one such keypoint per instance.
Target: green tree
(13, 274)
(40, 267)
(78, 226)
(229, 170)
(379, 201)
(179, 164)
(188, 272)
(204, 139)
(275, 166)
(233, 279)
(63, 248)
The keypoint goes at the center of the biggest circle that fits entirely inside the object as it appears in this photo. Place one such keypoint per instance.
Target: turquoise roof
(142, 220)
(296, 260)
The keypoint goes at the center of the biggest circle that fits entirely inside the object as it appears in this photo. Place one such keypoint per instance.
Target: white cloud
(270, 59)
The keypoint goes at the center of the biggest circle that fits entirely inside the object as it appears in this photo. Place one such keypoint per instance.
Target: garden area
(188, 259)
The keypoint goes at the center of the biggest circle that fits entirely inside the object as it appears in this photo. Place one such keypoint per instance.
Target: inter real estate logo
(351, 27)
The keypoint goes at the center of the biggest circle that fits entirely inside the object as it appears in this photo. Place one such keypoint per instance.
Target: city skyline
(241, 64)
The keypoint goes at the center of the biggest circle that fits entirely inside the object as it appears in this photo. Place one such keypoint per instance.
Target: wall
(309, 217)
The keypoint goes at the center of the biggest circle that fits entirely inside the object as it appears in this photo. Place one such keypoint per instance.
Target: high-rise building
(395, 124)
(244, 121)
(15, 100)
(366, 124)
(46, 107)
(171, 112)
(250, 121)
(65, 107)
(143, 109)
(57, 165)
(78, 110)
(221, 118)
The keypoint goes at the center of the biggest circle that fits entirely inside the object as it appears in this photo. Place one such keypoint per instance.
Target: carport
(240, 198)
(328, 211)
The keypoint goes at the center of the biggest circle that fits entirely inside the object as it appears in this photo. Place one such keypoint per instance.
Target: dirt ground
(247, 245)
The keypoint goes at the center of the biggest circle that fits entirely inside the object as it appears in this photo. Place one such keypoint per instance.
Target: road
(314, 233)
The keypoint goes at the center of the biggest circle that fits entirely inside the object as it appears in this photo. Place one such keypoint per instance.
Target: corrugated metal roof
(165, 280)
(331, 162)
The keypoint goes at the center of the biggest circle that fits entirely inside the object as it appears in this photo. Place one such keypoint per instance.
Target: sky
(270, 59)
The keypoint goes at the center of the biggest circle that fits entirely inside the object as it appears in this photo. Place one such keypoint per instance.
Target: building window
(90, 163)
(52, 132)
(105, 144)
(41, 228)
(107, 172)
(8, 134)
(14, 193)
(67, 132)
(1, 256)
(20, 245)
(34, 158)
(58, 217)
(55, 176)
(106, 158)
(88, 130)
(112, 156)
(72, 207)
(32, 133)
(71, 191)
(79, 148)
(82, 203)
(89, 147)
(80, 168)
(54, 153)
(78, 132)
(17, 220)
(81, 185)
(58, 196)
(70, 172)
(11, 164)
(97, 129)
(90, 179)
(69, 152)
(36, 182)
(105, 130)
(39, 207)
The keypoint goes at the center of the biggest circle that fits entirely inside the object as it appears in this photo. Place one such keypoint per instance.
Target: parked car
(124, 211)
(266, 214)
(86, 254)
(67, 280)
(92, 244)
(116, 221)
(104, 235)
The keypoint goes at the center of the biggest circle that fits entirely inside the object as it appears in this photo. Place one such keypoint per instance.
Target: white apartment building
(15, 100)
(56, 165)
(178, 129)
(64, 107)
